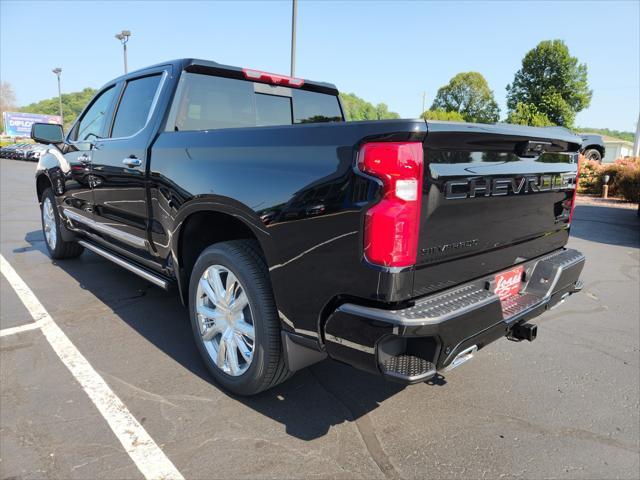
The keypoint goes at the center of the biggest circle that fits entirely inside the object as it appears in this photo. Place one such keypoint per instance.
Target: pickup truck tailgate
(491, 200)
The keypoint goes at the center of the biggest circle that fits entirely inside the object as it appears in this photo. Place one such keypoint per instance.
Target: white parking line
(21, 328)
(144, 452)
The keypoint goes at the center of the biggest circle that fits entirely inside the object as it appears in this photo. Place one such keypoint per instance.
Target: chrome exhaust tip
(463, 357)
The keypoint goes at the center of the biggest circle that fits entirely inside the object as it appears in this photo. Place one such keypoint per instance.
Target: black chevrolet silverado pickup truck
(400, 247)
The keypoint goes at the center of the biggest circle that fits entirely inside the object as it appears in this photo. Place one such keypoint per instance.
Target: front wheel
(234, 318)
(57, 247)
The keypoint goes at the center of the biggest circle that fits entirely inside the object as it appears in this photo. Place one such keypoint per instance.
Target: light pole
(636, 141)
(123, 36)
(294, 14)
(58, 71)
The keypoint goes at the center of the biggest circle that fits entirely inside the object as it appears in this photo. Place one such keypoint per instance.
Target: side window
(93, 121)
(135, 106)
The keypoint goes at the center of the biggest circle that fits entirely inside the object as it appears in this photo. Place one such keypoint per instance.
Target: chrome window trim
(152, 109)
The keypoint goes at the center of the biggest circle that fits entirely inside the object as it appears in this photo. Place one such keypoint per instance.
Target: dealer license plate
(508, 283)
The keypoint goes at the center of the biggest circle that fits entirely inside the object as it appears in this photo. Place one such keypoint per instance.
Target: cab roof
(213, 68)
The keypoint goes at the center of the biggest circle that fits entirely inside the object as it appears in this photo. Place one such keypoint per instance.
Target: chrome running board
(155, 279)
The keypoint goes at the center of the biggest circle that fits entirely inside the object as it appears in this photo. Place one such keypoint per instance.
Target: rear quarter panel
(295, 187)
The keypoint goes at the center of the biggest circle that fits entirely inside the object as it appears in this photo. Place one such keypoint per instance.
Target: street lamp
(58, 71)
(294, 14)
(123, 36)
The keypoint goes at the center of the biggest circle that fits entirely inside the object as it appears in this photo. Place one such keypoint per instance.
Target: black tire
(60, 249)
(267, 368)
(593, 154)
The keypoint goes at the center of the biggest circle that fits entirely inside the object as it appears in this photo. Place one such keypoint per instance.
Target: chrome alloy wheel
(224, 317)
(49, 223)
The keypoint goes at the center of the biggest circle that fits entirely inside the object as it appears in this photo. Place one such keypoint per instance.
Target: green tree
(468, 93)
(7, 101)
(382, 112)
(552, 81)
(72, 104)
(528, 114)
(628, 136)
(355, 108)
(442, 115)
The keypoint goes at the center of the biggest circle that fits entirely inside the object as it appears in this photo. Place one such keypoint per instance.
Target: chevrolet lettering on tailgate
(486, 186)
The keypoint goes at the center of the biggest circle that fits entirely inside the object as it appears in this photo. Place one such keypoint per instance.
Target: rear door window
(135, 106)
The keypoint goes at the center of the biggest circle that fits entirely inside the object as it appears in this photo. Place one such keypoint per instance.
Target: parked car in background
(34, 153)
(593, 147)
(5, 151)
(13, 151)
(23, 151)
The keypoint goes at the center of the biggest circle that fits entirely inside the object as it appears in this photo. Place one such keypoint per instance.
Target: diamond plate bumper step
(408, 369)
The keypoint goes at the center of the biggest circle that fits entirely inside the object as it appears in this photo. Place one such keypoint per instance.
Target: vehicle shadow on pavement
(308, 404)
(326, 394)
(611, 225)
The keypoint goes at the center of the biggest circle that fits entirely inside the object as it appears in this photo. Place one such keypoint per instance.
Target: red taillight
(575, 191)
(392, 225)
(273, 78)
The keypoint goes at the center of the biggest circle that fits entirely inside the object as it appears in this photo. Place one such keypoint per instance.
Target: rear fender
(222, 205)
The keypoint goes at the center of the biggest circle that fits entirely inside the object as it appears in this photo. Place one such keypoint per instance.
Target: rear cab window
(313, 107)
(272, 110)
(206, 102)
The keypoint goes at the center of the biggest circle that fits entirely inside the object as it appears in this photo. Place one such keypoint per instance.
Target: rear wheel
(593, 154)
(57, 247)
(234, 318)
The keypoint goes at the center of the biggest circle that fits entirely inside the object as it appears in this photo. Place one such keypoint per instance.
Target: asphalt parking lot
(564, 406)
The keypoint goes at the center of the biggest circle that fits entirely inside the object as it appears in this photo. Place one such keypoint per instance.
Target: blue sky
(385, 51)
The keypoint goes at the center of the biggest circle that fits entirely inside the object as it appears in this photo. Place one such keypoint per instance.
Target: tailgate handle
(531, 148)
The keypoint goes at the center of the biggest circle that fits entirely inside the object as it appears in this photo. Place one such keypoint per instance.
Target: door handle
(132, 162)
